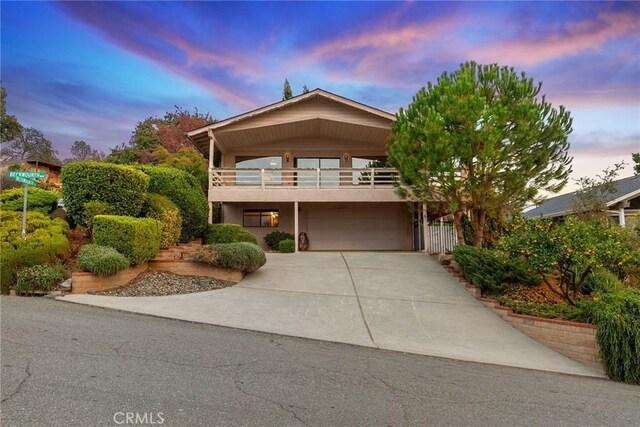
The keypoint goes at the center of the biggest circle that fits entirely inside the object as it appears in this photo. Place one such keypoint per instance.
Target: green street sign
(25, 174)
(26, 181)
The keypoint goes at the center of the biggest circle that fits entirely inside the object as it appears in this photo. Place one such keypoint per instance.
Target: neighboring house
(51, 169)
(623, 204)
(301, 165)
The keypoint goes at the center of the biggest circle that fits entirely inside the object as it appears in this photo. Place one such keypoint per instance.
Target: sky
(92, 70)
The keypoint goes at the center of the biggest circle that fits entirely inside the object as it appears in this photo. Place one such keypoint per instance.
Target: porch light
(345, 157)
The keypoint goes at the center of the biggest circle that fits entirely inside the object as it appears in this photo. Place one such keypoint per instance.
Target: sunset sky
(92, 70)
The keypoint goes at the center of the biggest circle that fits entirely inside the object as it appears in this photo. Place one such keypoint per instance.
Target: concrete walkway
(395, 301)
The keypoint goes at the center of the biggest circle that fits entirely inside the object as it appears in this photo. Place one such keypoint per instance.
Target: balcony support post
(262, 183)
(425, 228)
(295, 225)
(372, 177)
(212, 152)
(317, 178)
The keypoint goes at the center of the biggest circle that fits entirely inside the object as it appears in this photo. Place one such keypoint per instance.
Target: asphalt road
(67, 365)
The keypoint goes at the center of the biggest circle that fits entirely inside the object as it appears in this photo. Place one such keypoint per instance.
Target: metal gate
(442, 238)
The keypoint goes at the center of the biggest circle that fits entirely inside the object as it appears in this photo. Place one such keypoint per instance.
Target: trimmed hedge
(228, 233)
(38, 200)
(138, 239)
(185, 191)
(40, 278)
(101, 260)
(243, 256)
(617, 316)
(274, 238)
(92, 209)
(121, 187)
(287, 246)
(160, 208)
(46, 243)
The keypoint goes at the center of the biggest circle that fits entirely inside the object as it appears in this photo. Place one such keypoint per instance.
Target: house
(308, 165)
(623, 203)
(51, 169)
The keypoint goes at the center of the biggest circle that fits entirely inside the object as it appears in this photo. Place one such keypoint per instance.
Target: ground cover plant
(287, 246)
(244, 256)
(46, 242)
(39, 278)
(228, 233)
(101, 260)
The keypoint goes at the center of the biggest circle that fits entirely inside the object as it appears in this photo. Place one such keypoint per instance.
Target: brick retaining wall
(575, 340)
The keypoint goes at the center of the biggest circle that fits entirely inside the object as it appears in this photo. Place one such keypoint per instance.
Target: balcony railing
(303, 178)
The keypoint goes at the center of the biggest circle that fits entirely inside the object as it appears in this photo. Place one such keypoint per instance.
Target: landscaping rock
(66, 285)
(158, 283)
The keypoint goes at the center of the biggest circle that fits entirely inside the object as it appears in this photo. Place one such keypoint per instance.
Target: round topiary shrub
(38, 200)
(160, 208)
(274, 238)
(101, 260)
(185, 191)
(243, 256)
(121, 187)
(39, 278)
(287, 246)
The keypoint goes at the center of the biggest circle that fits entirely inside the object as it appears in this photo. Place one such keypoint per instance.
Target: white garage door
(370, 226)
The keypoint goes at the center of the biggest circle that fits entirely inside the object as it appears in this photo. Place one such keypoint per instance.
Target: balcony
(304, 185)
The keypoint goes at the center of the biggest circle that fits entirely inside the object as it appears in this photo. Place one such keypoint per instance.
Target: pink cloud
(576, 37)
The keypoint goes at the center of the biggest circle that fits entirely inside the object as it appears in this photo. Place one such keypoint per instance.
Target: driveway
(396, 301)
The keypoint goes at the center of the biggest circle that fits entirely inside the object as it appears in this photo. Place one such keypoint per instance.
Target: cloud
(596, 144)
(576, 37)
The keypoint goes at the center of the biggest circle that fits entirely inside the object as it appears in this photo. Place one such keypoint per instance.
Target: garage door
(370, 226)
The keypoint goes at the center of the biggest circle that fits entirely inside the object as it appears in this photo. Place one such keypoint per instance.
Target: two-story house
(304, 165)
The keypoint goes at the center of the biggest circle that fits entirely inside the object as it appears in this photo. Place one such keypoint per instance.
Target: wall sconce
(287, 157)
(345, 157)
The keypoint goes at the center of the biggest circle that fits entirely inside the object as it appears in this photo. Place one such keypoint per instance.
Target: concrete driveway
(395, 301)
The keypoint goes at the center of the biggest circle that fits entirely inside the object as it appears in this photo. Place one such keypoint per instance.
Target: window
(328, 178)
(260, 218)
(251, 176)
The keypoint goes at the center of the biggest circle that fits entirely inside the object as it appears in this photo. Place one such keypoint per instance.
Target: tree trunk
(479, 218)
(457, 222)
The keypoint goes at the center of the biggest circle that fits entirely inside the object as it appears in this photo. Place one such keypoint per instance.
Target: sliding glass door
(328, 178)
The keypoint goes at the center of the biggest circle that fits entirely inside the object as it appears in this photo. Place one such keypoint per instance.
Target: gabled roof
(626, 188)
(320, 93)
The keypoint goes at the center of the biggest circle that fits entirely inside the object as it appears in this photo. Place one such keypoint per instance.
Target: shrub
(46, 242)
(228, 233)
(101, 260)
(40, 278)
(38, 200)
(617, 316)
(121, 187)
(160, 208)
(274, 238)
(138, 239)
(519, 271)
(602, 281)
(92, 209)
(482, 267)
(243, 256)
(185, 191)
(287, 246)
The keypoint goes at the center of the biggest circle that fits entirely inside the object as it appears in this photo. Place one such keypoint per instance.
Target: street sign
(25, 174)
(26, 181)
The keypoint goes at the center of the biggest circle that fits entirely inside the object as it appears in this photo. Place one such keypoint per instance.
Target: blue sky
(91, 70)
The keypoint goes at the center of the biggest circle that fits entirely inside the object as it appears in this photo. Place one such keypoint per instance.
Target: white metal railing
(303, 178)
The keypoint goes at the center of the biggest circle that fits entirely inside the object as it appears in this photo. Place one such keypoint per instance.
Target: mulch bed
(157, 283)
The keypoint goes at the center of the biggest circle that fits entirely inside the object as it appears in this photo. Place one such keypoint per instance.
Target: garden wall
(575, 340)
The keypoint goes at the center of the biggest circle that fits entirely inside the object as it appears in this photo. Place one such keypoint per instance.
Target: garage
(357, 226)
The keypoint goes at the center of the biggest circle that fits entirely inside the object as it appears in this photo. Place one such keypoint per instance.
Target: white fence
(442, 238)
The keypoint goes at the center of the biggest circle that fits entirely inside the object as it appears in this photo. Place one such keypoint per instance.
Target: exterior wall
(362, 226)
(232, 213)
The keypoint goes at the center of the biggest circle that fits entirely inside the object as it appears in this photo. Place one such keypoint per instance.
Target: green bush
(482, 267)
(121, 187)
(185, 191)
(101, 260)
(519, 271)
(274, 238)
(92, 209)
(160, 208)
(602, 281)
(287, 246)
(138, 239)
(46, 243)
(228, 233)
(617, 316)
(38, 200)
(40, 278)
(243, 256)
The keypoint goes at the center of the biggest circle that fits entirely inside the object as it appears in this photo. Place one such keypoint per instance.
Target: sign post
(27, 179)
